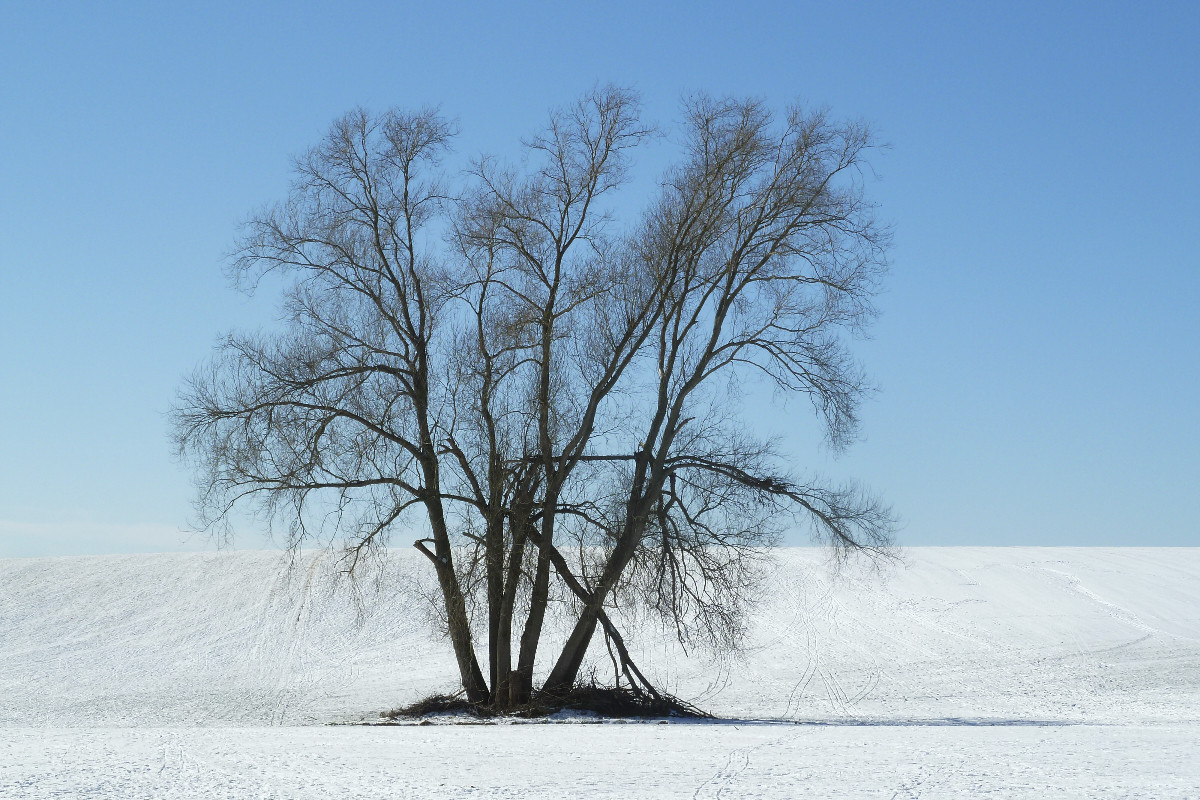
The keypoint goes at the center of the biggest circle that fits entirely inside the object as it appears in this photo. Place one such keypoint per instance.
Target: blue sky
(1038, 347)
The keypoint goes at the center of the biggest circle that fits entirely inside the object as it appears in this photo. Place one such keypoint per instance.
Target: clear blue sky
(1039, 349)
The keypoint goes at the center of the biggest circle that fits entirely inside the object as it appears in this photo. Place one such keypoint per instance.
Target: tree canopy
(546, 389)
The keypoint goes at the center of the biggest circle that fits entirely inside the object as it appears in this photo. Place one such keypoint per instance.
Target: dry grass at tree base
(620, 702)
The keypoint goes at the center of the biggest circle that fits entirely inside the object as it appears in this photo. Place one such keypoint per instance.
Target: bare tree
(557, 394)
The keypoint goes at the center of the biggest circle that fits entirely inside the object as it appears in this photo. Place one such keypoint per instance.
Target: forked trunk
(566, 669)
(502, 687)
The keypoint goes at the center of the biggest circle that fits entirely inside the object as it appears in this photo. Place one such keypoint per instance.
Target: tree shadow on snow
(924, 722)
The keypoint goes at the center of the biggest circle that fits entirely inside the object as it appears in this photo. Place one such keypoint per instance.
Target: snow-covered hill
(953, 634)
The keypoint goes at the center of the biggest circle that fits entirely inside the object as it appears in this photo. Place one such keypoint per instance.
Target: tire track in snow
(816, 620)
(1112, 609)
(279, 652)
(911, 790)
(736, 763)
(293, 682)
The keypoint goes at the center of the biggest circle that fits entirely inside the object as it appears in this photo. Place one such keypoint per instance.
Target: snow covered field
(967, 672)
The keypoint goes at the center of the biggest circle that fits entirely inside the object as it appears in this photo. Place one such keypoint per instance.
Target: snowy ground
(969, 672)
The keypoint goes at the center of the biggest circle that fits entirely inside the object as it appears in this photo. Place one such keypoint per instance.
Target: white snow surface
(961, 672)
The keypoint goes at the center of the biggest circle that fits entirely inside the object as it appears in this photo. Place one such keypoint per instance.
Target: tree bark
(457, 622)
(539, 597)
(494, 564)
(566, 668)
(503, 692)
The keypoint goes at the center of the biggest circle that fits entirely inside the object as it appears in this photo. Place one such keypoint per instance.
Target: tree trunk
(457, 622)
(566, 669)
(494, 564)
(502, 691)
(522, 684)
(522, 690)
